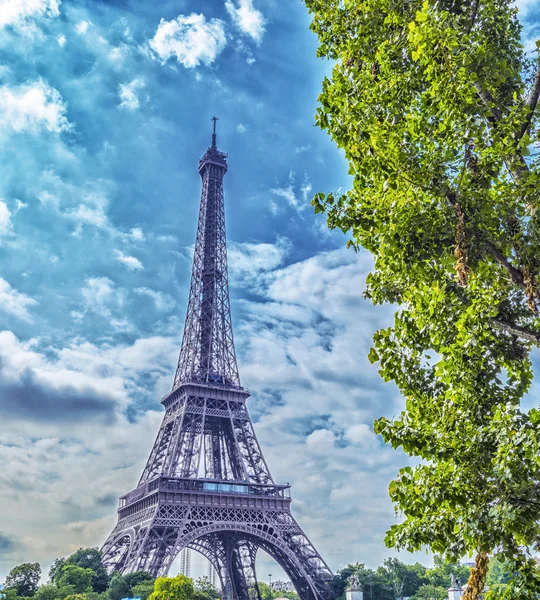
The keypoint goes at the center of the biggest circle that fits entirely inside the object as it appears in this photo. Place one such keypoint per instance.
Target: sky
(105, 109)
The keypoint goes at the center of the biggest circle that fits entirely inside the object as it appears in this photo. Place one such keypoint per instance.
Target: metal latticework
(207, 354)
(206, 485)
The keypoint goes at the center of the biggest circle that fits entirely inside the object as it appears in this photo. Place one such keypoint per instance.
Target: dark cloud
(30, 399)
(7, 543)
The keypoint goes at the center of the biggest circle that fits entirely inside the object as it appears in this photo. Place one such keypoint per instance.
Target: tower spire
(207, 354)
(214, 136)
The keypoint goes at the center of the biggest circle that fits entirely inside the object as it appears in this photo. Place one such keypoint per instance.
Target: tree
(56, 569)
(435, 106)
(118, 588)
(24, 579)
(76, 579)
(47, 592)
(142, 590)
(404, 579)
(173, 588)
(440, 575)
(138, 578)
(205, 589)
(376, 584)
(430, 592)
(90, 558)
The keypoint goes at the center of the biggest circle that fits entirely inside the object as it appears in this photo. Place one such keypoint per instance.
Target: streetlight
(270, 586)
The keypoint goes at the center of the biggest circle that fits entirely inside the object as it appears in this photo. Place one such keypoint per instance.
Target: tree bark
(477, 578)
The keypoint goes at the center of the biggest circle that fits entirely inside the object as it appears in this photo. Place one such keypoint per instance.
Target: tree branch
(515, 274)
(488, 101)
(517, 330)
(474, 14)
(531, 103)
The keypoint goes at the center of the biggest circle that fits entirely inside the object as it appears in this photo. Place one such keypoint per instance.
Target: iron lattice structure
(206, 485)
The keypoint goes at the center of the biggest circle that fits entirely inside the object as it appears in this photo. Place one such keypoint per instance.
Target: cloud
(129, 94)
(241, 128)
(5, 218)
(191, 39)
(82, 27)
(132, 263)
(20, 12)
(102, 298)
(7, 543)
(137, 234)
(34, 389)
(163, 302)
(15, 303)
(33, 107)
(525, 6)
(248, 260)
(248, 19)
(303, 346)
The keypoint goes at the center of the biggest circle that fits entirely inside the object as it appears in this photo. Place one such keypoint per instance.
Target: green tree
(90, 558)
(24, 579)
(430, 592)
(138, 578)
(46, 592)
(376, 584)
(56, 569)
(173, 588)
(118, 587)
(205, 589)
(76, 579)
(435, 106)
(440, 575)
(142, 590)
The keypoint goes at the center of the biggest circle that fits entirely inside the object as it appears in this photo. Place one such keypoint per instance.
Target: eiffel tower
(206, 485)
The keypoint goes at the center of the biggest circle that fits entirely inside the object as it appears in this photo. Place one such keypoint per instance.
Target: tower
(206, 485)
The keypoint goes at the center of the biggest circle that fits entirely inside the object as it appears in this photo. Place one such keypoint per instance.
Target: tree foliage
(435, 106)
(90, 558)
(76, 579)
(118, 588)
(23, 579)
(205, 590)
(173, 588)
(395, 579)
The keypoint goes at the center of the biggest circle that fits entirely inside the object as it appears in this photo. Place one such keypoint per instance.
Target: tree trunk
(477, 578)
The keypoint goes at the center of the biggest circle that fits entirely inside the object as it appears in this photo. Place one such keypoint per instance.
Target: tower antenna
(214, 136)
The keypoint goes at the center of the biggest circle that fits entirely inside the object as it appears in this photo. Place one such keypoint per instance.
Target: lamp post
(269, 586)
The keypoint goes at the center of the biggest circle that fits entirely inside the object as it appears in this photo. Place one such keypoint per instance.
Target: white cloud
(61, 39)
(137, 234)
(191, 39)
(247, 18)
(5, 218)
(163, 302)
(525, 6)
(167, 238)
(20, 12)
(241, 128)
(15, 303)
(102, 298)
(248, 260)
(306, 190)
(129, 94)
(132, 263)
(287, 193)
(32, 107)
(66, 510)
(82, 27)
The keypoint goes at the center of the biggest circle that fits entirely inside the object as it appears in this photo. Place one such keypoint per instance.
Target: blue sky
(105, 111)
